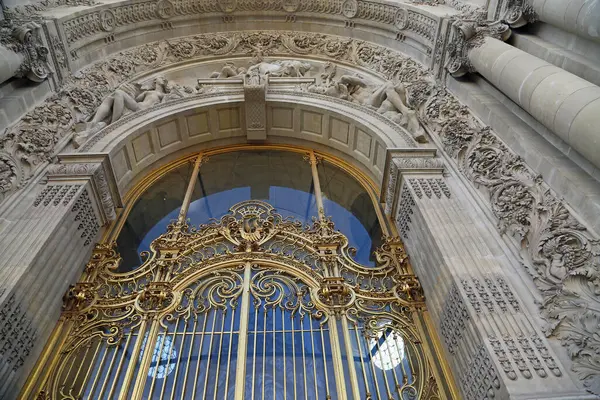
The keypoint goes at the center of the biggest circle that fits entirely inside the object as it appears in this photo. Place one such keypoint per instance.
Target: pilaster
(45, 242)
(491, 340)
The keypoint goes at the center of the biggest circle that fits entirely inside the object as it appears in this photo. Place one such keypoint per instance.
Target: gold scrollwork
(303, 270)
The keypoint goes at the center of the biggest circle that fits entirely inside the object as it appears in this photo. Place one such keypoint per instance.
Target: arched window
(248, 274)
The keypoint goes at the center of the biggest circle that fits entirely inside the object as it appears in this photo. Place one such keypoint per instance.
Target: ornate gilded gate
(254, 305)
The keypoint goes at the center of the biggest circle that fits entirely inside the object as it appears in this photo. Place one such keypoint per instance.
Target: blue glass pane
(352, 211)
(282, 179)
(150, 216)
(289, 351)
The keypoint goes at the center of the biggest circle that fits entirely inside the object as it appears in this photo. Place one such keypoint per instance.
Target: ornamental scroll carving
(25, 42)
(468, 32)
(557, 250)
(32, 10)
(191, 270)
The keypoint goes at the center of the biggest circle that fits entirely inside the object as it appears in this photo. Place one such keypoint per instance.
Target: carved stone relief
(17, 335)
(388, 98)
(467, 32)
(33, 10)
(25, 40)
(66, 174)
(557, 250)
(86, 217)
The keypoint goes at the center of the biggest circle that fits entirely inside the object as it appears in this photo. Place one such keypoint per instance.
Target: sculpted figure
(229, 70)
(280, 68)
(388, 99)
(283, 68)
(128, 98)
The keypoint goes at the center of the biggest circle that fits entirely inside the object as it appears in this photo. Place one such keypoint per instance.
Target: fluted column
(581, 17)
(566, 104)
(492, 342)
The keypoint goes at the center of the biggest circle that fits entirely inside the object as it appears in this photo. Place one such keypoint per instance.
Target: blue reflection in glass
(358, 235)
(288, 202)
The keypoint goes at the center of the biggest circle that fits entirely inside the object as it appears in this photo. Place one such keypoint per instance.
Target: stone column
(66, 213)
(495, 348)
(566, 104)
(581, 17)
(9, 63)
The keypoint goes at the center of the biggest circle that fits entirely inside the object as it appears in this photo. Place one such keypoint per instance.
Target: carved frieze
(33, 10)
(557, 250)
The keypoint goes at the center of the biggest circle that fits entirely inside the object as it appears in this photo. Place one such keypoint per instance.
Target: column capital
(468, 32)
(517, 13)
(95, 169)
(26, 40)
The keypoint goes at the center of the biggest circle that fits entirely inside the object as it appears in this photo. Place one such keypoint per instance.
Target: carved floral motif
(559, 253)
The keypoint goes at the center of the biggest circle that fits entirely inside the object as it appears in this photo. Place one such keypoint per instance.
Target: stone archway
(430, 208)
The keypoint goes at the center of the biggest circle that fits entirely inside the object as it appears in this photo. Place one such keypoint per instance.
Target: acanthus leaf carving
(520, 200)
(25, 40)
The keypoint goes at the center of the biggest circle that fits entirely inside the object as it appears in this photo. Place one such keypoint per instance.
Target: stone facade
(506, 250)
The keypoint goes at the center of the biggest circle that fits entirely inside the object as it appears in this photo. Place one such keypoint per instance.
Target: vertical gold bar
(328, 394)
(284, 358)
(108, 372)
(404, 374)
(212, 336)
(190, 190)
(303, 357)
(336, 354)
(187, 368)
(120, 366)
(274, 376)
(90, 367)
(362, 362)
(140, 382)
(99, 371)
(256, 310)
(312, 341)
(349, 354)
(240, 370)
(123, 394)
(229, 352)
(372, 366)
(69, 373)
(200, 354)
(183, 340)
(264, 357)
(397, 383)
(294, 355)
(219, 354)
(173, 340)
(385, 379)
(162, 344)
